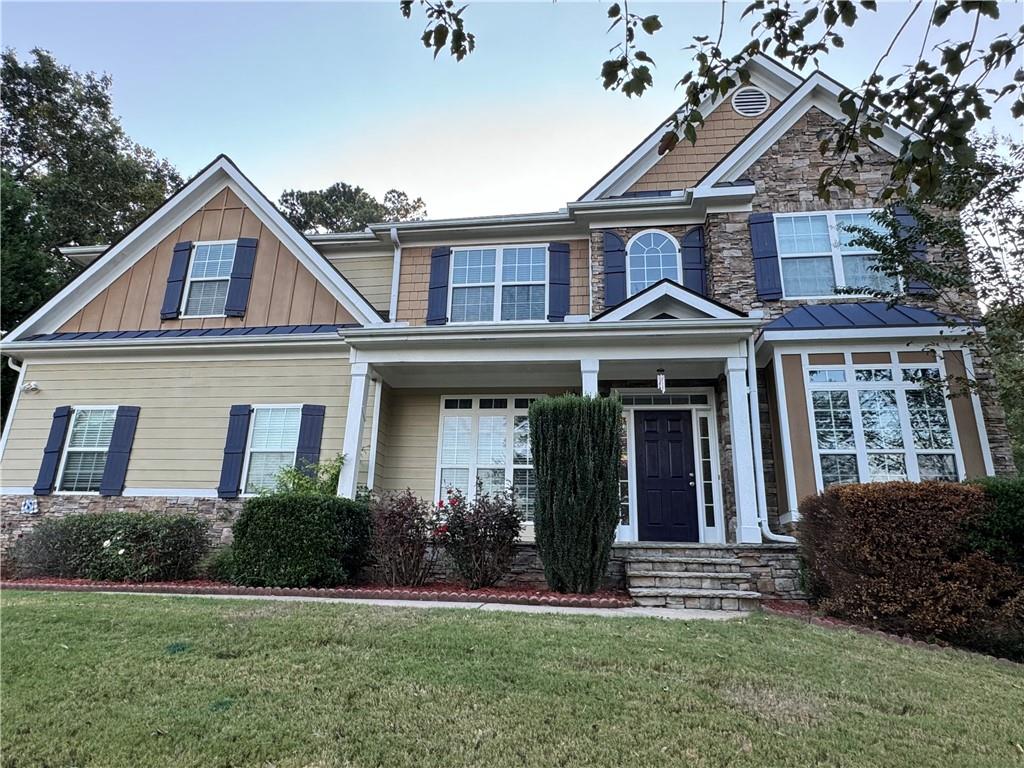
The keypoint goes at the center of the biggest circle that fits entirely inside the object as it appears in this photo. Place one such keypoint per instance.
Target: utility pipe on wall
(755, 436)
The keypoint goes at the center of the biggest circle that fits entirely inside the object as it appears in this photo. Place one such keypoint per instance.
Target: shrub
(1000, 530)
(479, 536)
(405, 529)
(896, 556)
(575, 443)
(300, 540)
(113, 546)
(219, 565)
(319, 478)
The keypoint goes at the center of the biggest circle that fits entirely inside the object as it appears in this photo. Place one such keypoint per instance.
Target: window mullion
(913, 471)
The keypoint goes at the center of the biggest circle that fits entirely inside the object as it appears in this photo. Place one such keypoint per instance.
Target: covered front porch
(434, 408)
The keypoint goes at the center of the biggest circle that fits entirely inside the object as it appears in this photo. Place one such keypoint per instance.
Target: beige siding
(688, 163)
(412, 423)
(366, 442)
(799, 427)
(371, 276)
(179, 440)
(283, 292)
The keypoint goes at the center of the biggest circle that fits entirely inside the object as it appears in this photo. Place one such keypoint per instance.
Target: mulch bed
(445, 592)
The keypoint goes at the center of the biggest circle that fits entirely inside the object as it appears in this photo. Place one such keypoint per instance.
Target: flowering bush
(405, 536)
(480, 535)
(112, 546)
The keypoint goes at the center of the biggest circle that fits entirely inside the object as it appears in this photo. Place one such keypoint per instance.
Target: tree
(70, 175)
(344, 208)
(940, 97)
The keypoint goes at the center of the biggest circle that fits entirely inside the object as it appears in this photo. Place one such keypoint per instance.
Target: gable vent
(750, 101)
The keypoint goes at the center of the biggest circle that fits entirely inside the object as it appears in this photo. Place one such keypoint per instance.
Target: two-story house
(214, 343)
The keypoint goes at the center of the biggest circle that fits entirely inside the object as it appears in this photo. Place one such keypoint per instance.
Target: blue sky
(304, 94)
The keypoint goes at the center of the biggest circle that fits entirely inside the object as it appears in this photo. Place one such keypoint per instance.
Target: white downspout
(396, 270)
(755, 435)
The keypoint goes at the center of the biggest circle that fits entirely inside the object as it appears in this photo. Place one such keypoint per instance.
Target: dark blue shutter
(908, 225)
(437, 295)
(51, 453)
(120, 449)
(614, 270)
(558, 281)
(241, 277)
(767, 276)
(695, 268)
(176, 281)
(234, 452)
(311, 430)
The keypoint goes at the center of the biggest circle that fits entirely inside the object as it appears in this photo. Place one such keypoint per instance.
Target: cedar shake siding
(687, 164)
(282, 292)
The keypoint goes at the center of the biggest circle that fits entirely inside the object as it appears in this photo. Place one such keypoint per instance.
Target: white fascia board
(765, 73)
(674, 292)
(817, 91)
(83, 254)
(167, 218)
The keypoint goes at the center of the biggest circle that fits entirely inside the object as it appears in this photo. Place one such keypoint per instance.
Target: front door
(666, 491)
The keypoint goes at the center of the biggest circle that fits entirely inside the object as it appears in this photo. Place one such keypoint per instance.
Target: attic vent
(750, 101)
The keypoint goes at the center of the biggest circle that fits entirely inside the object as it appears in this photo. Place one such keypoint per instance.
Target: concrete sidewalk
(673, 614)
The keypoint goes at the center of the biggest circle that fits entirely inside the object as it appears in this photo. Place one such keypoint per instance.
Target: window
(486, 440)
(501, 283)
(817, 254)
(209, 273)
(653, 256)
(878, 423)
(85, 452)
(273, 440)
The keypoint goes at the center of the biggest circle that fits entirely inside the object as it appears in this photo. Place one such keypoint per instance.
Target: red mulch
(446, 592)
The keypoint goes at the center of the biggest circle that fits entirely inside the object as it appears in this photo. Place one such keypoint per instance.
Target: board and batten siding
(370, 274)
(283, 291)
(183, 418)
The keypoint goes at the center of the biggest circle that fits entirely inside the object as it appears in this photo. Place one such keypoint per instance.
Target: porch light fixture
(661, 380)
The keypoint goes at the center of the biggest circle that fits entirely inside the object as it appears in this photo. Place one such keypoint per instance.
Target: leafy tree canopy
(342, 207)
(941, 96)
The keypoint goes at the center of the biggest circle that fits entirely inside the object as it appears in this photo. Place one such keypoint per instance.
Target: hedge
(575, 443)
(299, 540)
(112, 546)
(899, 557)
(1000, 530)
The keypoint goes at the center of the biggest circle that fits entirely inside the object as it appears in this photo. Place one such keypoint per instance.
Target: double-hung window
(873, 423)
(273, 441)
(500, 283)
(85, 452)
(817, 254)
(486, 441)
(209, 274)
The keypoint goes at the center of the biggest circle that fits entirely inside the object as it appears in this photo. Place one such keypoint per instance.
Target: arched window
(653, 256)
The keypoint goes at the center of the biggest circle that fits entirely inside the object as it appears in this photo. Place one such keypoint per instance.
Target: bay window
(499, 283)
(880, 422)
(817, 253)
(486, 441)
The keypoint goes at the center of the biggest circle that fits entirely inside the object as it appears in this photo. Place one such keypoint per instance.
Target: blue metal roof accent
(867, 314)
(266, 330)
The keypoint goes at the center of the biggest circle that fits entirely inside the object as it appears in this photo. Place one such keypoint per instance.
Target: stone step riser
(703, 603)
(680, 566)
(689, 582)
(641, 552)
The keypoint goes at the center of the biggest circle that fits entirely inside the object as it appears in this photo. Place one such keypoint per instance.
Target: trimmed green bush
(219, 565)
(113, 546)
(300, 540)
(1000, 530)
(897, 557)
(575, 443)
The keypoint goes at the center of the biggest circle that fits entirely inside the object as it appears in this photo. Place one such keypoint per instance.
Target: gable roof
(220, 173)
(669, 289)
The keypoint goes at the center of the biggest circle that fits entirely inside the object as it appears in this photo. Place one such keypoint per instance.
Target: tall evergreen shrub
(575, 443)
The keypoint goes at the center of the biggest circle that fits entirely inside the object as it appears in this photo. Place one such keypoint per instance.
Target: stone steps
(689, 580)
(649, 563)
(707, 599)
(689, 576)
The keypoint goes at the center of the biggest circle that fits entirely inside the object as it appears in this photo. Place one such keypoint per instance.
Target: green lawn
(107, 680)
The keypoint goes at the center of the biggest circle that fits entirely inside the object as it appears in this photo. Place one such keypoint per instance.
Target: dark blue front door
(666, 491)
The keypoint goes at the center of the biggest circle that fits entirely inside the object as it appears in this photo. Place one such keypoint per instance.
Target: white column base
(589, 368)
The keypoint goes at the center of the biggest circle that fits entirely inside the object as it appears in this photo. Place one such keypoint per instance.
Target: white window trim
(629, 256)
(498, 283)
(189, 279)
(248, 439)
(836, 253)
(716, 535)
(65, 448)
(475, 411)
(900, 387)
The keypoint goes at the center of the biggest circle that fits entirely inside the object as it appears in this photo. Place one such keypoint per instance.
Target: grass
(108, 680)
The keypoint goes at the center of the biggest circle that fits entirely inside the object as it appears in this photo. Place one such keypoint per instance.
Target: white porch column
(748, 531)
(360, 380)
(589, 366)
